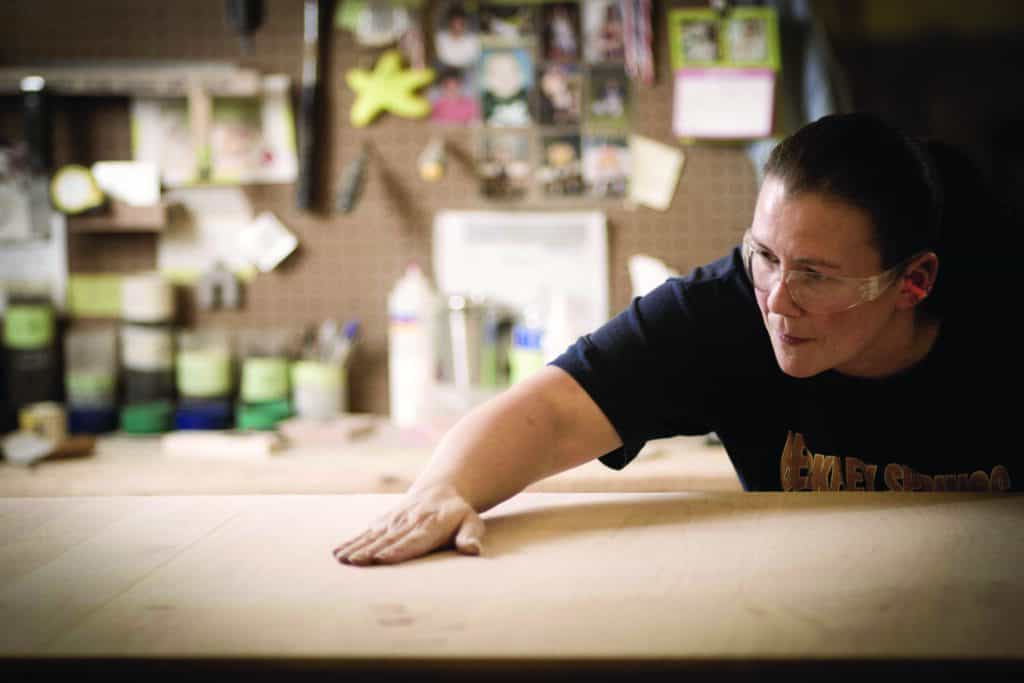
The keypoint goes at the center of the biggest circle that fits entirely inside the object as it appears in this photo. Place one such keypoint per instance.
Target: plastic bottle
(558, 334)
(526, 356)
(412, 310)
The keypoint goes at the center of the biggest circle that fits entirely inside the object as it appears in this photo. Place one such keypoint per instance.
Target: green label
(87, 387)
(316, 374)
(523, 363)
(204, 374)
(28, 326)
(94, 296)
(264, 379)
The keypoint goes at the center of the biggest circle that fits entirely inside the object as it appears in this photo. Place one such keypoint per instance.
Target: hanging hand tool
(37, 136)
(309, 107)
(244, 16)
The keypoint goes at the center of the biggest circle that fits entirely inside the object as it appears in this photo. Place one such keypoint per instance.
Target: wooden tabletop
(383, 462)
(664, 580)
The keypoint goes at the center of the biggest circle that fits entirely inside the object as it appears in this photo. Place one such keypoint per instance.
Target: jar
(203, 367)
(264, 391)
(31, 353)
(147, 353)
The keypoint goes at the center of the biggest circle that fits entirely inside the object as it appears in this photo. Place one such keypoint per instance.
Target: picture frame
(725, 72)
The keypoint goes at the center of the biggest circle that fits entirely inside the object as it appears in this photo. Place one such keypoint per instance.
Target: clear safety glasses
(812, 291)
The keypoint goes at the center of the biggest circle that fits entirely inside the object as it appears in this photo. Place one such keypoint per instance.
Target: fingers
(413, 544)
(354, 545)
(360, 550)
(470, 536)
(422, 539)
(425, 525)
(415, 534)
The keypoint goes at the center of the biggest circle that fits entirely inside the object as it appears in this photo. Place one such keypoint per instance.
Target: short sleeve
(651, 368)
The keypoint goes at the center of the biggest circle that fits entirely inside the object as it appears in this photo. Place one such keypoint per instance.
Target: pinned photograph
(457, 35)
(453, 96)
(700, 41)
(604, 37)
(506, 77)
(561, 170)
(608, 97)
(560, 38)
(559, 94)
(748, 39)
(504, 165)
(507, 24)
(606, 166)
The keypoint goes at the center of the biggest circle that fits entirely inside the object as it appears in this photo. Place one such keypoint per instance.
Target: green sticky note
(94, 296)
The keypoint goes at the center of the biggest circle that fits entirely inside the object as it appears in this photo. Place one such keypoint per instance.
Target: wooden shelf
(136, 79)
(121, 217)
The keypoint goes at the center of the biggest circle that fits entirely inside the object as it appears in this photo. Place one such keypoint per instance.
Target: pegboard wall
(346, 263)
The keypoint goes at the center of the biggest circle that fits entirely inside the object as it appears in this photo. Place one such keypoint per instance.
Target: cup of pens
(320, 378)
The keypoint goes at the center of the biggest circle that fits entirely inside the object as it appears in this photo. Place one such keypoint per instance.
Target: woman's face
(811, 231)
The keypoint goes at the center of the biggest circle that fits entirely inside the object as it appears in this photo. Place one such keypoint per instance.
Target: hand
(424, 521)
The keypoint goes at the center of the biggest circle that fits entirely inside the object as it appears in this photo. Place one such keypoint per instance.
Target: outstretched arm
(542, 426)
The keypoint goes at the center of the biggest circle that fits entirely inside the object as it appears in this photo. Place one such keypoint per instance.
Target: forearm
(521, 436)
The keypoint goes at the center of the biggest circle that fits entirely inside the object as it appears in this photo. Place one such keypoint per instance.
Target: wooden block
(223, 445)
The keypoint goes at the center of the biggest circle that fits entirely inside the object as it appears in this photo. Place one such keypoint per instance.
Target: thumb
(471, 532)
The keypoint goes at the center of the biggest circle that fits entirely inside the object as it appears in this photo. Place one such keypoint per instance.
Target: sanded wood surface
(123, 465)
(667, 577)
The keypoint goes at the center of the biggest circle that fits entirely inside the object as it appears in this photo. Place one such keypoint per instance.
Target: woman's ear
(918, 280)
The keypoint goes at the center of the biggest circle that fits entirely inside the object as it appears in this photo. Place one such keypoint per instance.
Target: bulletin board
(346, 264)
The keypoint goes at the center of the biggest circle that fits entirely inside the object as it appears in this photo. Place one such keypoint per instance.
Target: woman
(831, 350)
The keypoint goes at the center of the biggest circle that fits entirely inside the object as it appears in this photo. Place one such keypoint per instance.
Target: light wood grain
(125, 465)
(648, 576)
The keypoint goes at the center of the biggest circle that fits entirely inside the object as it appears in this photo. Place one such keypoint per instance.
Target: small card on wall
(726, 67)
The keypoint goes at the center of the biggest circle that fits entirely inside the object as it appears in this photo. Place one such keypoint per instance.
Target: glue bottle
(412, 309)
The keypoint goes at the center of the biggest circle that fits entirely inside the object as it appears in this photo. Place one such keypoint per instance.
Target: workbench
(719, 586)
(385, 460)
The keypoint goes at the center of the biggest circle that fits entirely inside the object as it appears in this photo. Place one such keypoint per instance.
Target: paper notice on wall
(516, 258)
(656, 169)
(723, 103)
(203, 228)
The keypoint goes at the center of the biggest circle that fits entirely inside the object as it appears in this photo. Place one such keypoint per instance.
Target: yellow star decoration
(387, 88)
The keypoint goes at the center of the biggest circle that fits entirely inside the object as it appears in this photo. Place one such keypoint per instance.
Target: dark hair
(899, 181)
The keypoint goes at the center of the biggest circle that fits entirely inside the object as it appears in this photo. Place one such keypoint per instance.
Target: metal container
(473, 344)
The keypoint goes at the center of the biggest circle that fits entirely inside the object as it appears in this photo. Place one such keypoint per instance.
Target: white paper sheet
(517, 258)
(204, 228)
(656, 169)
(723, 103)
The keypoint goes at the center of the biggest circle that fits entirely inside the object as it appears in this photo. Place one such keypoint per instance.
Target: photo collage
(546, 86)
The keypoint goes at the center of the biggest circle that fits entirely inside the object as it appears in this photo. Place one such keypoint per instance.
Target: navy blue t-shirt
(693, 357)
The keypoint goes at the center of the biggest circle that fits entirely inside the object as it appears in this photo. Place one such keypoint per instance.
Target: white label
(144, 348)
(410, 372)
